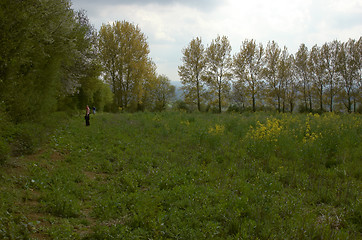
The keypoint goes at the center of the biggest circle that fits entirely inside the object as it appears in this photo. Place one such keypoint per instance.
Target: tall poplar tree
(330, 53)
(285, 76)
(192, 71)
(248, 65)
(317, 73)
(348, 68)
(124, 54)
(270, 72)
(303, 75)
(219, 69)
(292, 86)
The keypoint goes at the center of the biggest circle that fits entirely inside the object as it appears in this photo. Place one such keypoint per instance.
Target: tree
(358, 98)
(302, 73)
(81, 75)
(330, 57)
(248, 65)
(292, 85)
(348, 68)
(270, 72)
(162, 92)
(238, 95)
(286, 89)
(317, 71)
(124, 55)
(108, 53)
(149, 84)
(219, 66)
(192, 71)
(37, 42)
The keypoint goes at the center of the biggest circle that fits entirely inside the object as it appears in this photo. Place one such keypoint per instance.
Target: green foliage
(219, 70)
(33, 48)
(25, 138)
(6, 130)
(4, 150)
(47, 57)
(14, 227)
(161, 93)
(127, 67)
(192, 72)
(193, 176)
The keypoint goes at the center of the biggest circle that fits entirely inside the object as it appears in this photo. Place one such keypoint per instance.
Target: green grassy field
(189, 176)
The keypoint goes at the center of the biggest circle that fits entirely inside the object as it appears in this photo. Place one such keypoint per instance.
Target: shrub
(6, 131)
(25, 139)
(14, 227)
(61, 204)
(4, 150)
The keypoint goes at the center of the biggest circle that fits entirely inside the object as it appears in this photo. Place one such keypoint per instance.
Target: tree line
(48, 59)
(319, 79)
(52, 58)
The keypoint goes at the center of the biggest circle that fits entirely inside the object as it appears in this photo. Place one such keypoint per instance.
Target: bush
(6, 131)
(14, 227)
(4, 150)
(181, 105)
(60, 203)
(25, 140)
(235, 108)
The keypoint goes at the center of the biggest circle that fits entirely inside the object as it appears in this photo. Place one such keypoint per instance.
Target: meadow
(175, 175)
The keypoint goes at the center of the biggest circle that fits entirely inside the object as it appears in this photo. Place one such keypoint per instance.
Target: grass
(189, 176)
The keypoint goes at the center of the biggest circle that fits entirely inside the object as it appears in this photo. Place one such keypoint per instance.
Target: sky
(170, 25)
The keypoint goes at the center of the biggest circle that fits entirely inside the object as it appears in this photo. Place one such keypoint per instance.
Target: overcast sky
(171, 24)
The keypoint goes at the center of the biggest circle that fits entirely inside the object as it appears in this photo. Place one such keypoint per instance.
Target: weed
(189, 176)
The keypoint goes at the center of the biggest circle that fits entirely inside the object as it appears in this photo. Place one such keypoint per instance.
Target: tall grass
(192, 176)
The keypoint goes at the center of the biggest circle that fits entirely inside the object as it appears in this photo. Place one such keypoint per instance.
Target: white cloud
(171, 25)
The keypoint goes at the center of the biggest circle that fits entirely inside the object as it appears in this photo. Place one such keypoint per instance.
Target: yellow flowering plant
(269, 131)
(262, 139)
(310, 136)
(217, 130)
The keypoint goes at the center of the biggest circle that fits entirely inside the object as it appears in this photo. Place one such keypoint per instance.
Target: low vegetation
(189, 176)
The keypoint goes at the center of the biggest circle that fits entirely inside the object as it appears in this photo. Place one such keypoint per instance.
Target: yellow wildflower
(187, 123)
(269, 131)
(310, 136)
(218, 129)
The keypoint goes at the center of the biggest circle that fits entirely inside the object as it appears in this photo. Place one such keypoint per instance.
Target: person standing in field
(87, 116)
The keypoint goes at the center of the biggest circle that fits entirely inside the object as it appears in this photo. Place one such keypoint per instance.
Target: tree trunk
(198, 93)
(349, 107)
(331, 102)
(254, 108)
(321, 99)
(278, 103)
(305, 96)
(219, 93)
